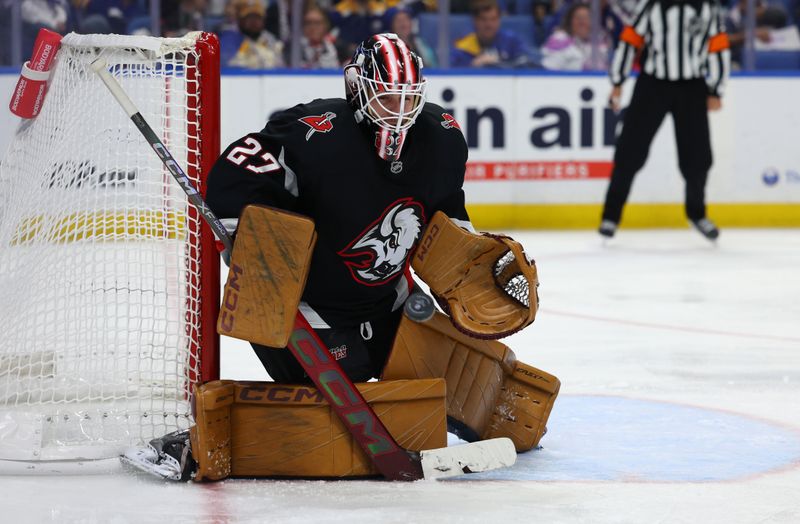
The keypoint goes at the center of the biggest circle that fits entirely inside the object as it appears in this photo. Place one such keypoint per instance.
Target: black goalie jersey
(315, 160)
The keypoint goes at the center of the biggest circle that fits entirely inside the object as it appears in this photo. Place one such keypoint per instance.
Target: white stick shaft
(101, 68)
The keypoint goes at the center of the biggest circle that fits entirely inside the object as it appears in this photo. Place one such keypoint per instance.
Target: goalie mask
(385, 87)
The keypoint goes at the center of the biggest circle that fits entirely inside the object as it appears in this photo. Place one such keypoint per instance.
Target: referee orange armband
(718, 43)
(630, 36)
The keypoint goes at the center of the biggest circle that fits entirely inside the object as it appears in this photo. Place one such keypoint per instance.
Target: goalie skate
(168, 457)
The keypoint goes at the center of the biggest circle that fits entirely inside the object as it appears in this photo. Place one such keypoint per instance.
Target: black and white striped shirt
(679, 40)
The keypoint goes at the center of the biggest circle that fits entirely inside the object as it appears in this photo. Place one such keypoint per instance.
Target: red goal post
(109, 280)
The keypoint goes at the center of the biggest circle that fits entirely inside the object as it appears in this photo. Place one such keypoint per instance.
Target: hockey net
(108, 280)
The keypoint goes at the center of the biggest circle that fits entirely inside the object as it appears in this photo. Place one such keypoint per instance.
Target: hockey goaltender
(332, 203)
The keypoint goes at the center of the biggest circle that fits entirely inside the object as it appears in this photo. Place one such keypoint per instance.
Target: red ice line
(672, 328)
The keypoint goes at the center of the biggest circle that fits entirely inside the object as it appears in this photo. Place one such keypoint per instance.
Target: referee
(685, 60)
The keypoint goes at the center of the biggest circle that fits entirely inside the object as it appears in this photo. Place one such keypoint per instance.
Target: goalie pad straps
(264, 429)
(268, 271)
(489, 393)
(485, 283)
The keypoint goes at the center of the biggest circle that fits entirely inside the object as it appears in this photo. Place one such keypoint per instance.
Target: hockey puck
(419, 307)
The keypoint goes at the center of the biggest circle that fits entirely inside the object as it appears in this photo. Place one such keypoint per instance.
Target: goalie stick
(392, 461)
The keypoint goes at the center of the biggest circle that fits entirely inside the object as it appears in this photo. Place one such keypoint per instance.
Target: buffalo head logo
(383, 249)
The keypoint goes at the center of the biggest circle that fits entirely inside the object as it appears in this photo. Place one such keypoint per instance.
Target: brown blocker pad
(268, 271)
(263, 429)
(489, 392)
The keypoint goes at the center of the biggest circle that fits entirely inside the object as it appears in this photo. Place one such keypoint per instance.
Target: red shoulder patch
(318, 123)
(448, 122)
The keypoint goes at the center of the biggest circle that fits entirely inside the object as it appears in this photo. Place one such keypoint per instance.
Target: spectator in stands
(279, 16)
(250, 45)
(181, 17)
(459, 6)
(317, 45)
(105, 16)
(216, 7)
(569, 48)
(540, 10)
(279, 21)
(37, 14)
(356, 20)
(614, 14)
(768, 17)
(228, 22)
(403, 26)
(50, 14)
(488, 45)
(415, 7)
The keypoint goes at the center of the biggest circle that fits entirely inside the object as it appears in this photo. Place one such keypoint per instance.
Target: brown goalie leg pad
(211, 434)
(523, 407)
(284, 430)
(268, 271)
(489, 393)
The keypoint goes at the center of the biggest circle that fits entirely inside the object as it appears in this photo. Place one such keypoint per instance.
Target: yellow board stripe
(102, 226)
(152, 225)
(587, 216)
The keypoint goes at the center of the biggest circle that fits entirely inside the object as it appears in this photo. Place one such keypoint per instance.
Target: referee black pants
(652, 99)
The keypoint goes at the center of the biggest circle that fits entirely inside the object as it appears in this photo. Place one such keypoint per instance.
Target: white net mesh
(99, 273)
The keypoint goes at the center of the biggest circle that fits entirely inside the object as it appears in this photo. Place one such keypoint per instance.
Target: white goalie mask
(385, 87)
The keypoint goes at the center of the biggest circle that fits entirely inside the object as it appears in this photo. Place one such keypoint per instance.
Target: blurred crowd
(549, 34)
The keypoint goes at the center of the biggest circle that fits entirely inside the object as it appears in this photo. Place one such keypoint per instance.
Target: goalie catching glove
(484, 282)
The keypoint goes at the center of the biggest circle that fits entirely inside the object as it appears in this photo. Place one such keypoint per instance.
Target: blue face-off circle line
(605, 438)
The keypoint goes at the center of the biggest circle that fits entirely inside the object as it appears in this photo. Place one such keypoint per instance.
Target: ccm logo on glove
(427, 241)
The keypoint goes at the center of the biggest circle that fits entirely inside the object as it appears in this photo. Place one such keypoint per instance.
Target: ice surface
(680, 365)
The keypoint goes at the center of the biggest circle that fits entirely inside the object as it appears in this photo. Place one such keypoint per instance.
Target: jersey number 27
(239, 154)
